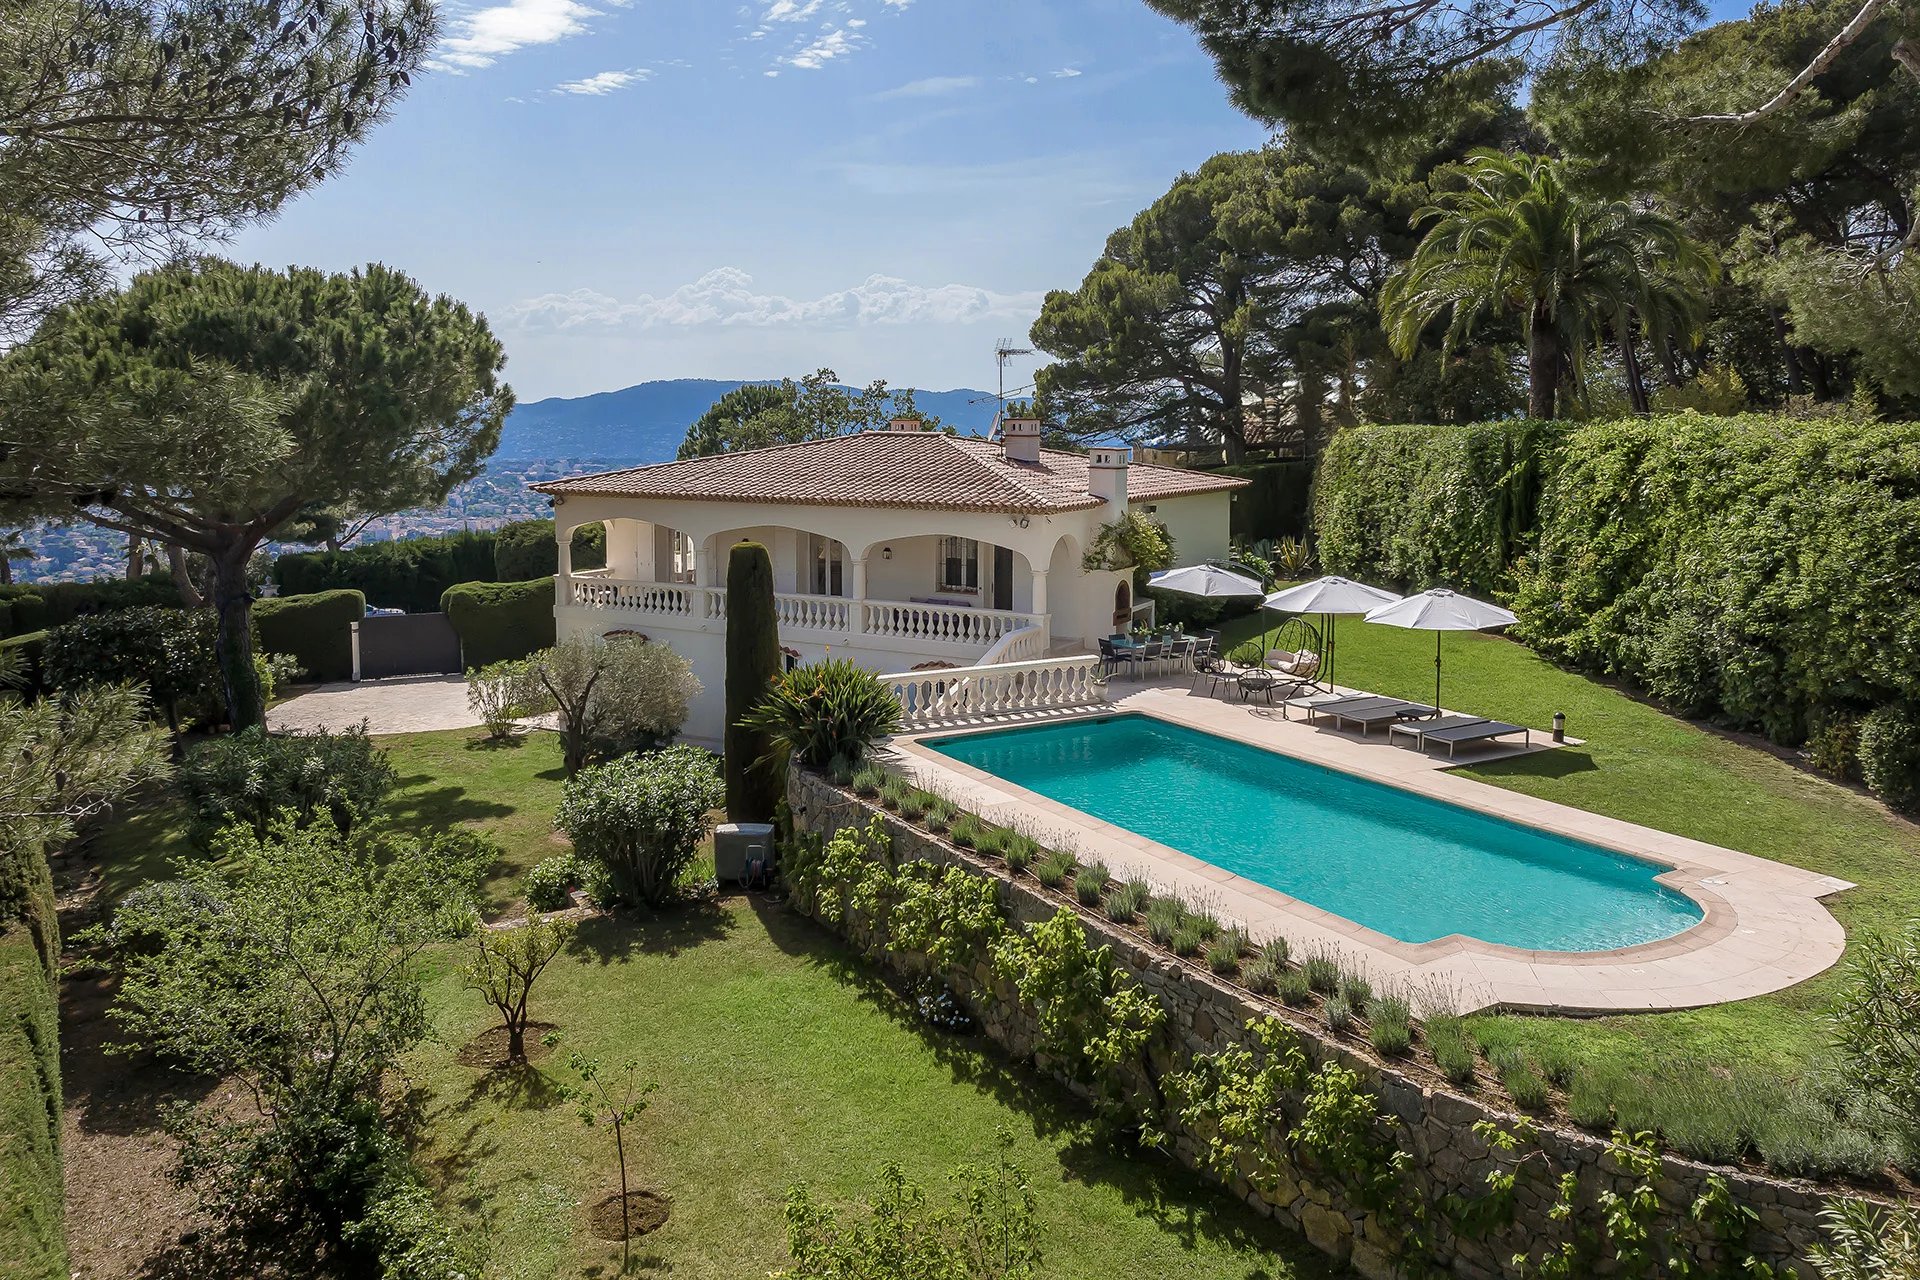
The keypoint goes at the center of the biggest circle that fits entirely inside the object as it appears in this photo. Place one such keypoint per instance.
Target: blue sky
(637, 189)
(654, 189)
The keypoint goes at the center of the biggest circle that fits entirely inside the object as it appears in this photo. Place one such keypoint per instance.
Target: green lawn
(779, 1059)
(1642, 765)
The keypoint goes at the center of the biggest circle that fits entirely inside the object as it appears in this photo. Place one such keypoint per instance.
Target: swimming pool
(1402, 864)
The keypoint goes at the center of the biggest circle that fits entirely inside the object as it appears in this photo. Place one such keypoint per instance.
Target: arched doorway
(1123, 608)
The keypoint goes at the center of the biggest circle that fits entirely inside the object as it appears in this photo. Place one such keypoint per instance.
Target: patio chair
(1472, 735)
(1181, 653)
(1113, 657)
(1384, 711)
(1152, 652)
(1418, 729)
(1215, 670)
(1257, 680)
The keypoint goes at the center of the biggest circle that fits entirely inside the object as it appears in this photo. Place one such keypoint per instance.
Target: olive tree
(613, 694)
(208, 406)
(505, 965)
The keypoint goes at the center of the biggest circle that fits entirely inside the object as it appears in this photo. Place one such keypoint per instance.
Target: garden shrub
(500, 621)
(526, 549)
(1090, 883)
(641, 818)
(32, 1241)
(1833, 742)
(1452, 1049)
(170, 652)
(502, 693)
(825, 710)
(26, 612)
(548, 881)
(315, 630)
(1276, 504)
(613, 695)
(254, 778)
(1889, 752)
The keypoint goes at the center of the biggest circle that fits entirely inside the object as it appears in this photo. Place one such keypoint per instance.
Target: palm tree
(1515, 241)
(13, 546)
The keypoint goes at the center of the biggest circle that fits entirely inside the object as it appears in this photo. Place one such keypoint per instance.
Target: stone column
(859, 567)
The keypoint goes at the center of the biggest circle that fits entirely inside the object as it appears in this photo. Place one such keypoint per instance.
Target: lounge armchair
(1386, 711)
(1469, 734)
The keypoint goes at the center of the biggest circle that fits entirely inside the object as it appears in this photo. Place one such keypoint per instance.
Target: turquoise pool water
(1402, 864)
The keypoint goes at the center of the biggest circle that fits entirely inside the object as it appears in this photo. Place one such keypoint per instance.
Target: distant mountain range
(646, 423)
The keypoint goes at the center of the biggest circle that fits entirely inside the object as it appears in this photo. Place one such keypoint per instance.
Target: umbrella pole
(1329, 620)
(1436, 671)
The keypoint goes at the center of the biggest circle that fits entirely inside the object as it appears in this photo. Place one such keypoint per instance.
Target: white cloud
(726, 298)
(1066, 73)
(482, 37)
(790, 10)
(931, 87)
(834, 44)
(605, 82)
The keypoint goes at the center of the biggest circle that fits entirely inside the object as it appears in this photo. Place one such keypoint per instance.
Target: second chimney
(1020, 438)
(1107, 475)
(904, 424)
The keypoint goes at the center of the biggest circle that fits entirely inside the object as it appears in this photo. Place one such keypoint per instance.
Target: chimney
(1020, 438)
(904, 424)
(1107, 476)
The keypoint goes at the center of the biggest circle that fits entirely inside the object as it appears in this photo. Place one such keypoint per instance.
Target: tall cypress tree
(753, 660)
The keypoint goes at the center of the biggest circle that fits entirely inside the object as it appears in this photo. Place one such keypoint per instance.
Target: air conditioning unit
(740, 846)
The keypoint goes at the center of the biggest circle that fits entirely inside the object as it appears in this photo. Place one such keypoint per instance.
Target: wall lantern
(886, 553)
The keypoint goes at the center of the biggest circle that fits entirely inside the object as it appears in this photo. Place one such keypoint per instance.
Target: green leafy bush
(1127, 901)
(314, 629)
(501, 693)
(1055, 869)
(1292, 987)
(1019, 851)
(1323, 972)
(500, 621)
(1261, 975)
(1224, 952)
(869, 781)
(827, 709)
(1890, 755)
(642, 818)
(1452, 1048)
(1276, 504)
(254, 778)
(549, 880)
(40, 605)
(168, 651)
(1339, 1012)
(612, 696)
(1390, 1025)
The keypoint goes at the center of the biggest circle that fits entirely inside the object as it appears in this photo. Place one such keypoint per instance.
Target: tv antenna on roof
(1004, 351)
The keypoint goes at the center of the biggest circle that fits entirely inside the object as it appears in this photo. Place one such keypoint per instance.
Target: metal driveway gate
(414, 644)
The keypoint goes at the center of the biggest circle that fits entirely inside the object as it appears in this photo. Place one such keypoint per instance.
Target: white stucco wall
(1199, 523)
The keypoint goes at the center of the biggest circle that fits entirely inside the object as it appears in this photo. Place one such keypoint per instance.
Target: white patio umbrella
(1209, 581)
(1330, 597)
(1438, 611)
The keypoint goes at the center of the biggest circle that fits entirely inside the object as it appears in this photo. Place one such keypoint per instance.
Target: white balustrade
(1022, 645)
(814, 613)
(946, 625)
(943, 624)
(930, 698)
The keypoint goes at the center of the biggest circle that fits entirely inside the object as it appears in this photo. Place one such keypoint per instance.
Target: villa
(897, 549)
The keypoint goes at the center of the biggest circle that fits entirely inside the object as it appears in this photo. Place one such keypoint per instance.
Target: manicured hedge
(525, 549)
(1761, 571)
(36, 605)
(32, 1242)
(500, 620)
(407, 575)
(314, 629)
(1276, 503)
(1426, 506)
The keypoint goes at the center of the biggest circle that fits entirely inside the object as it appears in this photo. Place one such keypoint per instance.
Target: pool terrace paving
(1765, 927)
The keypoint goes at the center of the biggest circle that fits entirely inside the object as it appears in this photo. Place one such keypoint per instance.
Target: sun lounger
(1384, 711)
(1327, 706)
(1418, 729)
(1469, 734)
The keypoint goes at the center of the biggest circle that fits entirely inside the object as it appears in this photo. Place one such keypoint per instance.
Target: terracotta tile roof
(889, 469)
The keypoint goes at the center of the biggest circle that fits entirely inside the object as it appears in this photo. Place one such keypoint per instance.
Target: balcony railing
(1012, 688)
(944, 625)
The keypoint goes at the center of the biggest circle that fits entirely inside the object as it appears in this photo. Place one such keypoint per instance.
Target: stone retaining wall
(1433, 1126)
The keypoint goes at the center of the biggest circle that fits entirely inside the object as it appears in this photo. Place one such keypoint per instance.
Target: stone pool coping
(1764, 928)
